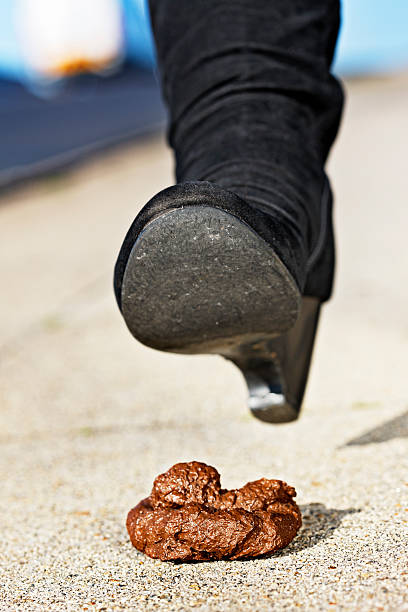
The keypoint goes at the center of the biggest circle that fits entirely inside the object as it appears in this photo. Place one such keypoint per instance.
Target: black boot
(236, 258)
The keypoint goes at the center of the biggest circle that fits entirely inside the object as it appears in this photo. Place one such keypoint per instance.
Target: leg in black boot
(237, 257)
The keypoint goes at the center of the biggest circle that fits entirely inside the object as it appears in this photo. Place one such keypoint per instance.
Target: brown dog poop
(188, 517)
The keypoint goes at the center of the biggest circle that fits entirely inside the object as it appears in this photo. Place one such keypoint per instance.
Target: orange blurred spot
(78, 65)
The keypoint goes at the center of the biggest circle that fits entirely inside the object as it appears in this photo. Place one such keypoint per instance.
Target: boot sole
(199, 280)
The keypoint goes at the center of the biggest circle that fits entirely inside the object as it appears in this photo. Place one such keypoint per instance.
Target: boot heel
(276, 370)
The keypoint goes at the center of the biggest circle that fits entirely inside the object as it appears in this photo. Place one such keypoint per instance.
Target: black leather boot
(237, 257)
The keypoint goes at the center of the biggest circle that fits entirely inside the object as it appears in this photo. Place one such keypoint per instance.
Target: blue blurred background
(47, 122)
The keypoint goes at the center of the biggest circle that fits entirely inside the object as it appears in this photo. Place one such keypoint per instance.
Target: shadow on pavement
(395, 428)
(319, 523)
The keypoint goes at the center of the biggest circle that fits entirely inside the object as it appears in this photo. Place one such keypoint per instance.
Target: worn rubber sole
(199, 280)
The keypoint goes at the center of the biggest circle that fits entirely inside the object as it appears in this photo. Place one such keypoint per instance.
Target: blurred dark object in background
(91, 113)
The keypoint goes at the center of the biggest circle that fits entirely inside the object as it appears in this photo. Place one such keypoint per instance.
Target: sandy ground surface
(89, 416)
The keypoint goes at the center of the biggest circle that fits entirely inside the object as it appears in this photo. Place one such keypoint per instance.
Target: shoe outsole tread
(200, 280)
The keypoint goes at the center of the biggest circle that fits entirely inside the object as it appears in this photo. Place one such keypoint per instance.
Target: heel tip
(277, 412)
